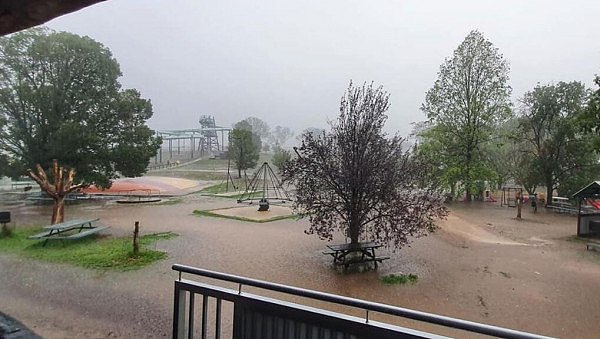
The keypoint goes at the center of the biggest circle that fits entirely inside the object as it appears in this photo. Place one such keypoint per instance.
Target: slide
(594, 203)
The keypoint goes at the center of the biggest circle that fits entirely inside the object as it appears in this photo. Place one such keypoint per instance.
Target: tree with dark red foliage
(357, 180)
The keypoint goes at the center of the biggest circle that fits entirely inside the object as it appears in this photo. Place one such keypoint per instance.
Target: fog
(289, 62)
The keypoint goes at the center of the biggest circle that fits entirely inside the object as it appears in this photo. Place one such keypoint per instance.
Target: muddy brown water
(481, 265)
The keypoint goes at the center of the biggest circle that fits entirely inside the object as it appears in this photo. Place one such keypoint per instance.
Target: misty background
(289, 62)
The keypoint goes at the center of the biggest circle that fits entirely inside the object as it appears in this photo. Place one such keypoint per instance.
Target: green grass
(576, 238)
(218, 188)
(168, 202)
(215, 215)
(191, 175)
(91, 252)
(399, 279)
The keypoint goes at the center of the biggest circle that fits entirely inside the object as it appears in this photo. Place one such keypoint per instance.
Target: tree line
(474, 133)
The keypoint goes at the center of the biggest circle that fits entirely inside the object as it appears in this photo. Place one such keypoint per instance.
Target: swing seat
(263, 205)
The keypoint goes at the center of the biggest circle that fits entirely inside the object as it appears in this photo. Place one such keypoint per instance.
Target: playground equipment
(594, 203)
(210, 140)
(488, 196)
(138, 196)
(264, 188)
(588, 220)
(192, 143)
(509, 195)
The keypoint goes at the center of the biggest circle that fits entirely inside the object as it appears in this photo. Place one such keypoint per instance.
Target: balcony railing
(256, 316)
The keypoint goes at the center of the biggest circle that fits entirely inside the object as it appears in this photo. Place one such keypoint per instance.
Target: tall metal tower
(208, 129)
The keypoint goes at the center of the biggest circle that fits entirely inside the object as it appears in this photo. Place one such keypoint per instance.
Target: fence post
(136, 240)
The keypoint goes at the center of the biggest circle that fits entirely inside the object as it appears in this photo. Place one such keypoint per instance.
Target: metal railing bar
(291, 310)
(367, 305)
(204, 315)
(191, 317)
(218, 320)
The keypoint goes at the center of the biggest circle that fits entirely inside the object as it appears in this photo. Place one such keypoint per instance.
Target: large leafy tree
(261, 129)
(562, 155)
(441, 167)
(357, 180)
(590, 119)
(244, 146)
(468, 101)
(280, 157)
(60, 98)
(508, 155)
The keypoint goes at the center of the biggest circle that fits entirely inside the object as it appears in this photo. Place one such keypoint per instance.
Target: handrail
(362, 304)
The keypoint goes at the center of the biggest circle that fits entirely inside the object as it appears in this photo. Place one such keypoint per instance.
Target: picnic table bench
(64, 230)
(349, 254)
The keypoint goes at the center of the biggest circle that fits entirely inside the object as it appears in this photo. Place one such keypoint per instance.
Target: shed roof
(588, 191)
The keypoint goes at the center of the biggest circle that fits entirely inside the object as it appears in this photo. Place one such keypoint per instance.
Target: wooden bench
(87, 232)
(592, 246)
(352, 261)
(64, 230)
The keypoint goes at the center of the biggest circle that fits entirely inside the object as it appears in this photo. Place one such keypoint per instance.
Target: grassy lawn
(215, 190)
(399, 279)
(190, 174)
(222, 187)
(91, 252)
(169, 202)
(210, 169)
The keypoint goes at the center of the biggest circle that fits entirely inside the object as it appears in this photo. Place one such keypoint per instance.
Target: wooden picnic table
(63, 230)
(348, 254)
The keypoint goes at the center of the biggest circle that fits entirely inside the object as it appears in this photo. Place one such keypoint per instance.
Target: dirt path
(482, 265)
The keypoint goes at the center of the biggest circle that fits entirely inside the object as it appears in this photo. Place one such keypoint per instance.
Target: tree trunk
(353, 232)
(519, 199)
(58, 189)
(467, 176)
(58, 210)
(239, 173)
(549, 191)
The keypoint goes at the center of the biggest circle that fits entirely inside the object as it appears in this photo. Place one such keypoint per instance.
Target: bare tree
(57, 187)
(357, 180)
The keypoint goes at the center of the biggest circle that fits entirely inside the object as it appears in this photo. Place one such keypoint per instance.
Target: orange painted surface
(145, 186)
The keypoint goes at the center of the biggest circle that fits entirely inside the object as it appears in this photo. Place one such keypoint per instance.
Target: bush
(280, 157)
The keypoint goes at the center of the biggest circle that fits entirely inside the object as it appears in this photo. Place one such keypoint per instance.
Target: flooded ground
(481, 265)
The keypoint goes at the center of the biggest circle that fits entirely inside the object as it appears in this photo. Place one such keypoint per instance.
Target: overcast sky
(288, 62)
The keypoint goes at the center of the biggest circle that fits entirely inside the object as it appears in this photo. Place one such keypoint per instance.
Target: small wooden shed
(588, 217)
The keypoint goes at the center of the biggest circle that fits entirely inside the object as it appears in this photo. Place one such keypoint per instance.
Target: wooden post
(136, 242)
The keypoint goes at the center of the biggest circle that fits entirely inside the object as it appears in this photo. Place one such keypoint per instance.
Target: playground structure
(588, 213)
(509, 195)
(186, 144)
(138, 196)
(264, 188)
